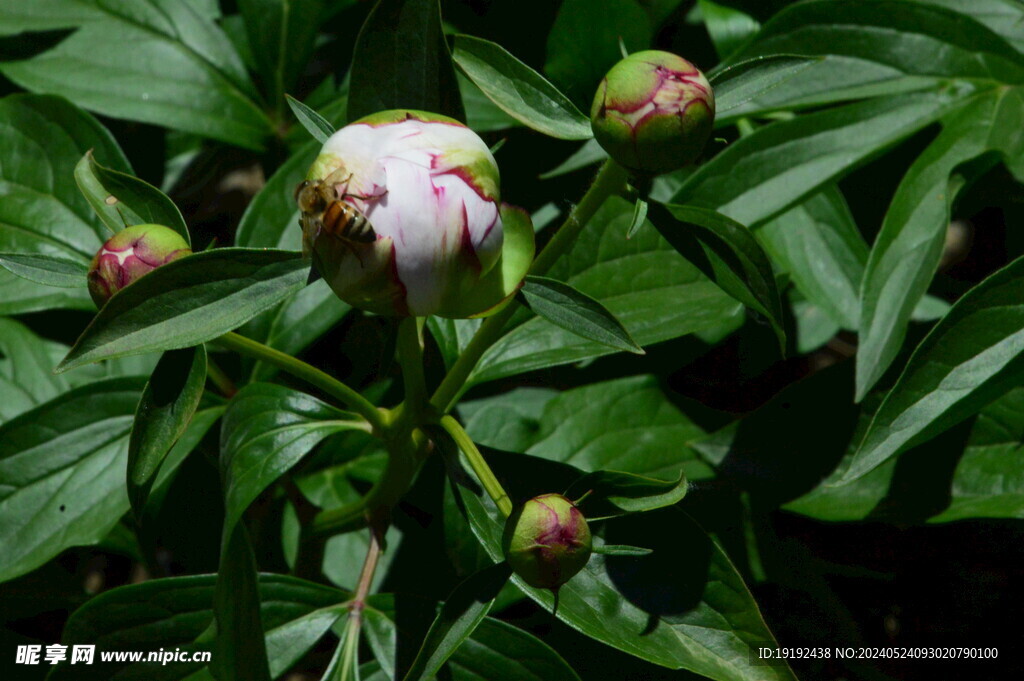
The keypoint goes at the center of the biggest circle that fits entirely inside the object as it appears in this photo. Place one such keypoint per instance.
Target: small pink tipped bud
(547, 541)
(653, 112)
(132, 253)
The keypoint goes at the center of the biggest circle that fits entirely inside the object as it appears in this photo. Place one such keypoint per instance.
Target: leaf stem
(296, 367)
(220, 379)
(478, 463)
(610, 180)
(357, 605)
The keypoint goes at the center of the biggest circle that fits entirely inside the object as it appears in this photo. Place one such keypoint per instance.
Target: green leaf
(626, 424)
(520, 91)
(604, 494)
(728, 27)
(169, 400)
(459, 617)
(878, 48)
(121, 200)
(62, 467)
(26, 376)
(166, 54)
(1004, 17)
(298, 321)
(176, 613)
(282, 35)
(43, 138)
(639, 216)
(287, 643)
(272, 219)
(727, 253)
(684, 606)
(817, 243)
(907, 251)
(401, 61)
(187, 302)
(584, 42)
(591, 153)
(969, 358)
(267, 430)
(621, 550)
(493, 645)
(642, 281)
(239, 649)
(763, 174)
(482, 115)
(564, 306)
(48, 270)
(315, 124)
(741, 83)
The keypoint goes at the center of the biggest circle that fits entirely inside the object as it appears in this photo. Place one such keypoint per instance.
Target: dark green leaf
(593, 428)
(520, 91)
(564, 306)
(26, 370)
(684, 606)
(763, 174)
(287, 643)
(43, 139)
(401, 61)
(315, 124)
(591, 153)
(239, 649)
(189, 301)
(460, 615)
(282, 35)
(639, 216)
(168, 402)
(873, 49)
(177, 56)
(908, 248)
(494, 650)
(49, 270)
(584, 42)
(121, 200)
(643, 283)
(482, 115)
(267, 430)
(300, 320)
(176, 613)
(621, 550)
(603, 494)
(969, 358)
(272, 219)
(62, 467)
(819, 246)
(728, 27)
(727, 253)
(740, 83)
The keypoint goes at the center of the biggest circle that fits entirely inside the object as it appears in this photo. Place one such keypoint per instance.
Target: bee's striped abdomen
(344, 220)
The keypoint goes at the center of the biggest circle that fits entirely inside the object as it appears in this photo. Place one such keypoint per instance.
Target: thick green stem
(308, 373)
(610, 180)
(479, 465)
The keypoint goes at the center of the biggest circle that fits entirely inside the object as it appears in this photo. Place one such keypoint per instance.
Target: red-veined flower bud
(132, 253)
(547, 541)
(653, 112)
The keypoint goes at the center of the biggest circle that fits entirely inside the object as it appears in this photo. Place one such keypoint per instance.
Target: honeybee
(323, 208)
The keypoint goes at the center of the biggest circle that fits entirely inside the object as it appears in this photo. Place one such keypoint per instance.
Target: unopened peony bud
(547, 541)
(132, 253)
(401, 215)
(653, 112)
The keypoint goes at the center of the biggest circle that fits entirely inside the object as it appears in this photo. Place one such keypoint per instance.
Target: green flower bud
(653, 112)
(132, 253)
(547, 541)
